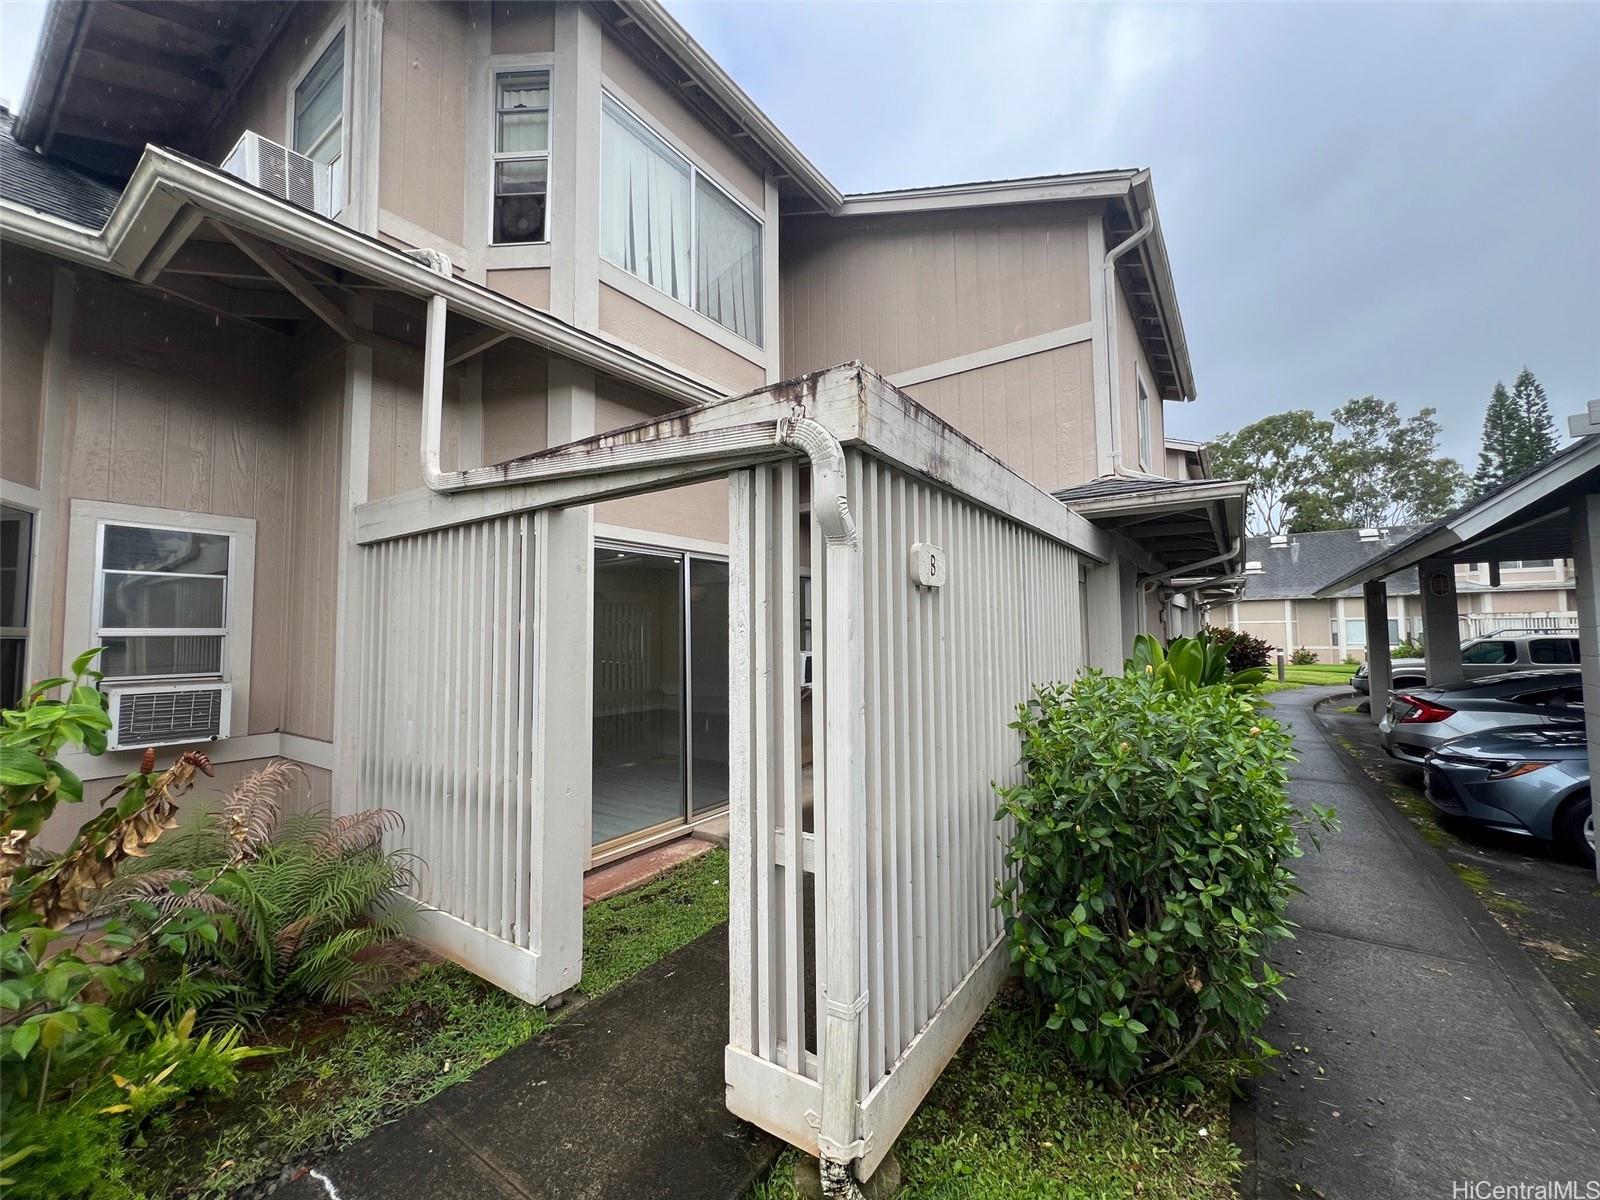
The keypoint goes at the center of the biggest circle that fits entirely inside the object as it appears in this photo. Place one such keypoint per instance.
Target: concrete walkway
(622, 1099)
(1421, 1046)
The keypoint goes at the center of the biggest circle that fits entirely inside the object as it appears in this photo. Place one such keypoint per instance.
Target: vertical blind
(671, 227)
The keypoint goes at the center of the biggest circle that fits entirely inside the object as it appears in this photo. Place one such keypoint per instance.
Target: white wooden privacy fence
(865, 853)
(934, 675)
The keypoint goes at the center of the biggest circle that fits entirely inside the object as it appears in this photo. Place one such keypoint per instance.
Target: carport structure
(1551, 511)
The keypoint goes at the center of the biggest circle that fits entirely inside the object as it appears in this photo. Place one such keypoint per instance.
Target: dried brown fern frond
(287, 941)
(250, 811)
(69, 886)
(355, 832)
(155, 887)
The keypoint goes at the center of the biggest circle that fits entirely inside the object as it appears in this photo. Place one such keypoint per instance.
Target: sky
(1400, 199)
(1397, 199)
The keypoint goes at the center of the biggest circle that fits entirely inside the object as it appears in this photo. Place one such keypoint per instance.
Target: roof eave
(1562, 469)
(653, 18)
(1155, 246)
(58, 37)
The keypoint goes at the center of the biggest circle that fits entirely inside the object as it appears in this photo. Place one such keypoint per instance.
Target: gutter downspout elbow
(830, 500)
(433, 476)
(1109, 290)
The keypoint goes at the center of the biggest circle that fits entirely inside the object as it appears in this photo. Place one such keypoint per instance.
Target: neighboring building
(274, 436)
(1283, 573)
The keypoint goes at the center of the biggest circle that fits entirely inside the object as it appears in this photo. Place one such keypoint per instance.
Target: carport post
(1586, 567)
(1376, 595)
(1441, 626)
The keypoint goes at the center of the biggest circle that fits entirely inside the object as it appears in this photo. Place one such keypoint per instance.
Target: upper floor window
(161, 601)
(16, 559)
(664, 221)
(1144, 425)
(521, 155)
(319, 113)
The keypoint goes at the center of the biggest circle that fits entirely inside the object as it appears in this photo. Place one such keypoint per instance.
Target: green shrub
(80, 1070)
(1304, 658)
(1149, 855)
(1410, 648)
(1188, 663)
(1245, 650)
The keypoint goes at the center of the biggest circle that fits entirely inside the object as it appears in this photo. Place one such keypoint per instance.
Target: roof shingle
(51, 187)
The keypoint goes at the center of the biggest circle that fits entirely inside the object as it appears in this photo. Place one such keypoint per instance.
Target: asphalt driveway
(1552, 907)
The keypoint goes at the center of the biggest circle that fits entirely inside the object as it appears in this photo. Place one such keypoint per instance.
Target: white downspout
(433, 381)
(1109, 290)
(844, 806)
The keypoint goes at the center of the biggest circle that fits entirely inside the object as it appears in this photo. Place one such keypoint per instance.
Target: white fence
(864, 861)
(936, 675)
(1475, 625)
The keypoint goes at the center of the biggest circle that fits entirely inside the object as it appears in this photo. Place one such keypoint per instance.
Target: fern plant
(306, 898)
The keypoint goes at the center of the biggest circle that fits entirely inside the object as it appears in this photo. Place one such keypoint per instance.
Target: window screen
(162, 601)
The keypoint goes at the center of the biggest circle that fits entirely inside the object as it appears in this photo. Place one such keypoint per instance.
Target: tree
(1367, 467)
(1282, 456)
(1537, 440)
(1502, 438)
(1387, 471)
(1518, 432)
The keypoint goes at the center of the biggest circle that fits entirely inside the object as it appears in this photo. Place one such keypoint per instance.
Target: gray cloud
(1399, 199)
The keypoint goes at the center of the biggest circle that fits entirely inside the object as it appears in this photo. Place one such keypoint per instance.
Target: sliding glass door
(660, 690)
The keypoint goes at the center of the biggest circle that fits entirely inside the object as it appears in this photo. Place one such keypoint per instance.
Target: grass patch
(348, 1071)
(1314, 675)
(1008, 1118)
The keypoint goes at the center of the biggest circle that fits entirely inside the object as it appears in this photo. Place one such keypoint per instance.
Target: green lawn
(1009, 1119)
(1313, 675)
(348, 1071)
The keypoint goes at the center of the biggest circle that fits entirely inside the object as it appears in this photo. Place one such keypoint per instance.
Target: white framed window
(169, 594)
(666, 222)
(316, 111)
(16, 563)
(520, 157)
(1144, 423)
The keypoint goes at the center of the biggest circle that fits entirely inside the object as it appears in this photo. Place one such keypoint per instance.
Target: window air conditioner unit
(168, 714)
(279, 170)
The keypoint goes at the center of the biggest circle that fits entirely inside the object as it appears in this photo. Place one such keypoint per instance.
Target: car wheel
(1575, 830)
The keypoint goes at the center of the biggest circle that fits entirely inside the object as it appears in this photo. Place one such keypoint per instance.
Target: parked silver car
(1420, 720)
(1530, 781)
(1499, 653)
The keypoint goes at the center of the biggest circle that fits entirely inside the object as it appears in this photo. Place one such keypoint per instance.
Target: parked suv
(1500, 653)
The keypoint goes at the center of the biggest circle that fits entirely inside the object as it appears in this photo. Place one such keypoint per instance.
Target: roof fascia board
(1128, 504)
(1155, 250)
(163, 183)
(63, 25)
(1110, 185)
(663, 29)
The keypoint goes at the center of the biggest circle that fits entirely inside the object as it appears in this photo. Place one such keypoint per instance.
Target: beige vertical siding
(25, 301)
(1035, 414)
(655, 333)
(427, 60)
(308, 644)
(168, 408)
(665, 111)
(394, 463)
(522, 27)
(531, 285)
(515, 406)
(906, 291)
